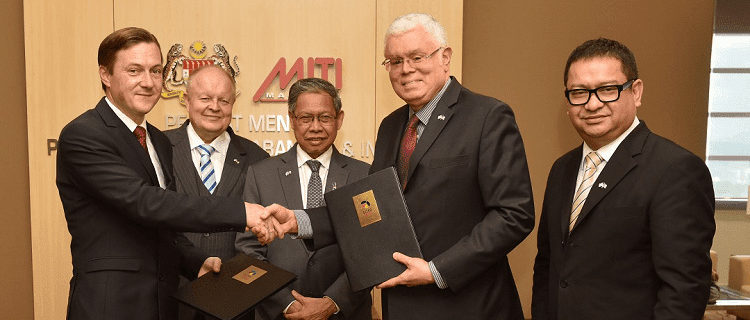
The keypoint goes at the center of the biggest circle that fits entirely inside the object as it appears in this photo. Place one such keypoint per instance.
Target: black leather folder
(371, 222)
(242, 283)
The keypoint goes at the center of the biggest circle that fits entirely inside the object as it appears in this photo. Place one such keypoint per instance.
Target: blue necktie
(207, 168)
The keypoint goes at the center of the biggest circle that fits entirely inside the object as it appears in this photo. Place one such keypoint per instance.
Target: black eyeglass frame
(620, 88)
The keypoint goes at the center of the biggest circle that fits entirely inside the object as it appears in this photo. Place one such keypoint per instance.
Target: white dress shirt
(305, 172)
(220, 145)
(604, 152)
(151, 150)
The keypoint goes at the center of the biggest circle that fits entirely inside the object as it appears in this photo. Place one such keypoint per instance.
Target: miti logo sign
(267, 94)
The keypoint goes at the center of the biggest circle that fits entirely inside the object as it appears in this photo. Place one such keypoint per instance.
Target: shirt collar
(609, 149)
(220, 144)
(324, 158)
(425, 113)
(127, 121)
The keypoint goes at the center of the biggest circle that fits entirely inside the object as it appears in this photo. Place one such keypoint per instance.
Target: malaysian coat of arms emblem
(178, 67)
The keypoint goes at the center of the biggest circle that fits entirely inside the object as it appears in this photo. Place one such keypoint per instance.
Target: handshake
(269, 223)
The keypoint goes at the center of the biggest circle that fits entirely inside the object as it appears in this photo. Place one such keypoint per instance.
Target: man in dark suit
(211, 94)
(322, 288)
(112, 172)
(462, 164)
(627, 220)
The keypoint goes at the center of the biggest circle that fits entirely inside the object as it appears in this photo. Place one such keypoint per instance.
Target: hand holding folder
(417, 272)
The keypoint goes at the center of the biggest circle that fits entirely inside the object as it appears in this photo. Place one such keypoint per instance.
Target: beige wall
(513, 50)
(516, 51)
(62, 81)
(15, 239)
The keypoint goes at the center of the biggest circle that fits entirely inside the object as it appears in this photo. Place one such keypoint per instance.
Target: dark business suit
(125, 261)
(320, 272)
(469, 198)
(640, 247)
(241, 153)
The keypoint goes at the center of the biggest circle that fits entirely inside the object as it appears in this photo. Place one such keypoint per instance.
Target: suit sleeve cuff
(436, 275)
(335, 305)
(304, 227)
(287, 307)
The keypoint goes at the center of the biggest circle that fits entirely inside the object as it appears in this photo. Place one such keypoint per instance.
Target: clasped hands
(269, 223)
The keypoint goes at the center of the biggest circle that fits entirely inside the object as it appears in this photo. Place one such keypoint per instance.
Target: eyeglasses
(307, 119)
(413, 61)
(610, 93)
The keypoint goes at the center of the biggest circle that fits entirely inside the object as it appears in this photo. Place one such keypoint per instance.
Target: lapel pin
(288, 173)
(441, 117)
(603, 185)
(333, 186)
(236, 161)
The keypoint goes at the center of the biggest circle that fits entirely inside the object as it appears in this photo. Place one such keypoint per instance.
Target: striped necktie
(589, 169)
(207, 168)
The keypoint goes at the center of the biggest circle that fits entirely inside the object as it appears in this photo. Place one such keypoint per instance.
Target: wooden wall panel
(266, 32)
(15, 241)
(62, 38)
(62, 81)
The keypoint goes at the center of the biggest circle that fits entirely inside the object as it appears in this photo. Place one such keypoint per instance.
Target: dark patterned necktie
(315, 186)
(408, 142)
(140, 133)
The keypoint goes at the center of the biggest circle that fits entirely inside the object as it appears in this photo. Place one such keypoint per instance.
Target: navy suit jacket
(124, 244)
(469, 197)
(640, 246)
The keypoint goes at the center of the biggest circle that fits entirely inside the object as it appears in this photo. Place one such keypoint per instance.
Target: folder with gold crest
(371, 221)
(242, 283)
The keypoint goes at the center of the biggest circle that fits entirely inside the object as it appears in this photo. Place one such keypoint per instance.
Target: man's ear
(104, 75)
(446, 56)
(637, 92)
(340, 120)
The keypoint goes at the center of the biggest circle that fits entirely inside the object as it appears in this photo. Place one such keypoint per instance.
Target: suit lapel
(131, 150)
(289, 177)
(337, 172)
(183, 163)
(622, 161)
(233, 164)
(439, 118)
(568, 184)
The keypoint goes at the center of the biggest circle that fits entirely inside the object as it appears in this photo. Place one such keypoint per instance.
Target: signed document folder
(371, 222)
(242, 282)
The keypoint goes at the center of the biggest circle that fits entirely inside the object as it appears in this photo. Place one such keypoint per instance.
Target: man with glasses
(297, 179)
(462, 165)
(627, 220)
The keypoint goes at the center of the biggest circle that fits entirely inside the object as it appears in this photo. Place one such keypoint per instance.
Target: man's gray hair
(313, 85)
(412, 20)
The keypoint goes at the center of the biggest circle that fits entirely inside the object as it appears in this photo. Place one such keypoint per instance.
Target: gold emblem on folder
(367, 208)
(250, 274)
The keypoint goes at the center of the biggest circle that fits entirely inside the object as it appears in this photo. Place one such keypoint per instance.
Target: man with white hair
(462, 165)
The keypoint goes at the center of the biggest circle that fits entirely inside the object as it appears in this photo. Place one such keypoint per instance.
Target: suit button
(563, 284)
(162, 277)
